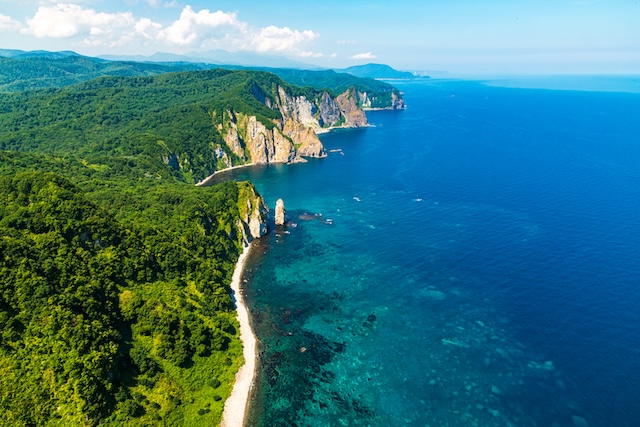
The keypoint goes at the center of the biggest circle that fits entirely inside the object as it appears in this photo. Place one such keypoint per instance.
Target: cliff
(252, 221)
(351, 111)
(247, 138)
(367, 102)
(371, 93)
(189, 124)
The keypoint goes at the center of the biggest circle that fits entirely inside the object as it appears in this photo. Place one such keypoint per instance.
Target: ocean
(472, 260)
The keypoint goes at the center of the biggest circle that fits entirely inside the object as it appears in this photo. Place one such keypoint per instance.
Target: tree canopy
(114, 301)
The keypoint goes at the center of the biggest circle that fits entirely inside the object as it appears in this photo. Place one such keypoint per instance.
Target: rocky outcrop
(279, 215)
(267, 145)
(393, 102)
(253, 213)
(294, 135)
(245, 138)
(286, 141)
(397, 103)
(350, 110)
(329, 111)
(232, 139)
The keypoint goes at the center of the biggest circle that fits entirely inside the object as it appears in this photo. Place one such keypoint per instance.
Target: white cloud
(68, 20)
(307, 54)
(147, 29)
(193, 27)
(225, 30)
(281, 39)
(8, 24)
(365, 55)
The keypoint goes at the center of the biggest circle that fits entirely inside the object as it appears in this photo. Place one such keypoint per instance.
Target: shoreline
(318, 132)
(237, 405)
(210, 177)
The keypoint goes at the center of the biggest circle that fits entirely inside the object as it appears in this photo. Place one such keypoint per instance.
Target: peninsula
(97, 178)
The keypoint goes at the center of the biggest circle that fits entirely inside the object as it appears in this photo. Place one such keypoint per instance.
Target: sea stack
(280, 212)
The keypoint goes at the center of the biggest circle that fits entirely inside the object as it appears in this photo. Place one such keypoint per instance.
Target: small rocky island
(280, 212)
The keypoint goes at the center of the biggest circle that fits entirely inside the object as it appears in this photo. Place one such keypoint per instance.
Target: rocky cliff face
(395, 103)
(290, 138)
(351, 112)
(253, 213)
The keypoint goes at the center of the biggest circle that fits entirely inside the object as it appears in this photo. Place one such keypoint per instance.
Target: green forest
(170, 118)
(23, 70)
(150, 120)
(114, 300)
(64, 69)
(115, 306)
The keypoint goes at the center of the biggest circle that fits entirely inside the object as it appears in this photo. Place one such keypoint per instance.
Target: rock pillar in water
(280, 212)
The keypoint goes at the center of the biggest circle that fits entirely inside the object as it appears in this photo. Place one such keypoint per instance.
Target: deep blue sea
(473, 260)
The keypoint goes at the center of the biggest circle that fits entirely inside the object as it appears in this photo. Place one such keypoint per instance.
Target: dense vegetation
(378, 92)
(114, 304)
(170, 118)
(30, 71)
(166, 119)
(36, 70)
(114, 269)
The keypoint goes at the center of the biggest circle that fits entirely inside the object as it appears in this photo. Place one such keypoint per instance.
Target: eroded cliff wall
(290, 138)
(253, 211)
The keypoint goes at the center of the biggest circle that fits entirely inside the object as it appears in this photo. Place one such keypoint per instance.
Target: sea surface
(473, 260)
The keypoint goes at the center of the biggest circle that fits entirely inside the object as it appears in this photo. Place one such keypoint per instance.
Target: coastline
(237, 405)
(382, 109)
(210, 177)
(328, 130)
(318, 132)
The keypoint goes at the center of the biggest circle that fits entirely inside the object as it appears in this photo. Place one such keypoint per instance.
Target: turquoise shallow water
(469, 261)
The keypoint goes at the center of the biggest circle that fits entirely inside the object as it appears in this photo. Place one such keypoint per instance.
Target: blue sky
(460, 36)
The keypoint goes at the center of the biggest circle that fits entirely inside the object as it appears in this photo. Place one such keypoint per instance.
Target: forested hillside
(38, 70)
(115, 307)
(378, 92)
(150, 119)
(114, 299)
(174, 119)
(23, 72)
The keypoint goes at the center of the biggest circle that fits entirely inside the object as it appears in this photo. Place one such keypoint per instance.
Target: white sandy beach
(210, 177)
(235, 408)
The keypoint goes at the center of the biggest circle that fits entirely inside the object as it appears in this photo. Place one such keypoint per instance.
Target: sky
(458, 36)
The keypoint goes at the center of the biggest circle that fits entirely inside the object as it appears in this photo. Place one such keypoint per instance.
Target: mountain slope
(376, 71)
(33, 70)
(114, 268)
(194, 122)
(21, 70)
(114, 300)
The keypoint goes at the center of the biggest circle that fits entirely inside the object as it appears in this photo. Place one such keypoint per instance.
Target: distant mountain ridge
(376, 71)
(39, 70)
(20, 70)
(217, 57)
(22, 54)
